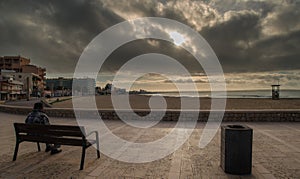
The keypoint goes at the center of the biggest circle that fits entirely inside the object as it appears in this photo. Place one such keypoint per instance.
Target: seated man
(37, 116)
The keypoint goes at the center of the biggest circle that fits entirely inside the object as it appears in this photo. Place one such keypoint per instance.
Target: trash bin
(236, 149)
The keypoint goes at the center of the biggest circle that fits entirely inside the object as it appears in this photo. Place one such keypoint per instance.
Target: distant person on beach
(37, 116)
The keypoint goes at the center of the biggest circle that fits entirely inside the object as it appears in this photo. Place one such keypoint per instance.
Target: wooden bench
(55, 134)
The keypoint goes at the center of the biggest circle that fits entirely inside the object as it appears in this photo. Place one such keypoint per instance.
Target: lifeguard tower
(275, 92)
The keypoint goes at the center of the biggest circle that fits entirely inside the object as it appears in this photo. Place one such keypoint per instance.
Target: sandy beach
(142, 102)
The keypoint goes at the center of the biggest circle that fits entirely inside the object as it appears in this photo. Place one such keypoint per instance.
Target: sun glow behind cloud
(178, 39)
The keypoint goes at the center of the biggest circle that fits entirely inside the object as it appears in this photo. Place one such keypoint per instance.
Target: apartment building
(10, 89)
(32, 76)
(13, 63)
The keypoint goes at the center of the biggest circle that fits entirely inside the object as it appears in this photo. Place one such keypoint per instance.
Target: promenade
(276, 154)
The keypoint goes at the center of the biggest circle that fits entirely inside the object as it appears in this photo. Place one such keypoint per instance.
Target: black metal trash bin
(236, 149)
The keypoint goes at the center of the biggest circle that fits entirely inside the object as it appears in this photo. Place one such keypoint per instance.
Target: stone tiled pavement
(276, 154)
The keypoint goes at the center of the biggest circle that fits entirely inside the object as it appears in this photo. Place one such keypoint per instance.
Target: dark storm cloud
(246, 35)
(52, 33)
(236, 35)
(279, 53)
(121, 55)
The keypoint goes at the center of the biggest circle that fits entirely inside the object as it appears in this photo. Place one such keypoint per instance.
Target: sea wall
(169, 115)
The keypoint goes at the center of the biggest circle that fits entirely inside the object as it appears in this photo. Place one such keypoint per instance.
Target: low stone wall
(170, 115)
(229, 115)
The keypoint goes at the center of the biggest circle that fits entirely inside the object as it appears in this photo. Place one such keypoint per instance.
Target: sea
(234, 94)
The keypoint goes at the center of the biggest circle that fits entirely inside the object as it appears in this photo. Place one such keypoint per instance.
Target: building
(59, 83)
(63, 86)
(34, 69)
(32, 77)
(85, 86)
(37, 78)
(110, 89)
(33, 85)
(21, 65)
(13, 63)
(59, 86)
(10, 89)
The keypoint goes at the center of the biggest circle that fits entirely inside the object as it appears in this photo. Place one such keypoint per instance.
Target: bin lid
(237, 127)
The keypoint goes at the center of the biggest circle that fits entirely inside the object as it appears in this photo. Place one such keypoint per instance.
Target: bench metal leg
(16, 151)
(39, 147)
(98, 153)
(82, 158)
(98, 148)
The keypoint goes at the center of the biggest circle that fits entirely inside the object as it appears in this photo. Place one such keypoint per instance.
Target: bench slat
(54, 130)
(52, 133)
(60, 127)
(55, 140)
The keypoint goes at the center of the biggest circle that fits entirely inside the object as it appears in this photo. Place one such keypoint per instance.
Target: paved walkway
(276, 154)
(23, 102)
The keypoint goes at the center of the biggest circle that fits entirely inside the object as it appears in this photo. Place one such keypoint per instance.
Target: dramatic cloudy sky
(257, 42)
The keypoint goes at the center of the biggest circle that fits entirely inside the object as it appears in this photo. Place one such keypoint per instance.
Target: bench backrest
(57, 134)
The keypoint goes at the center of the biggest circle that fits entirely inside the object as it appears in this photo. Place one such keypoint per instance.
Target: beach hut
(275, 92)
